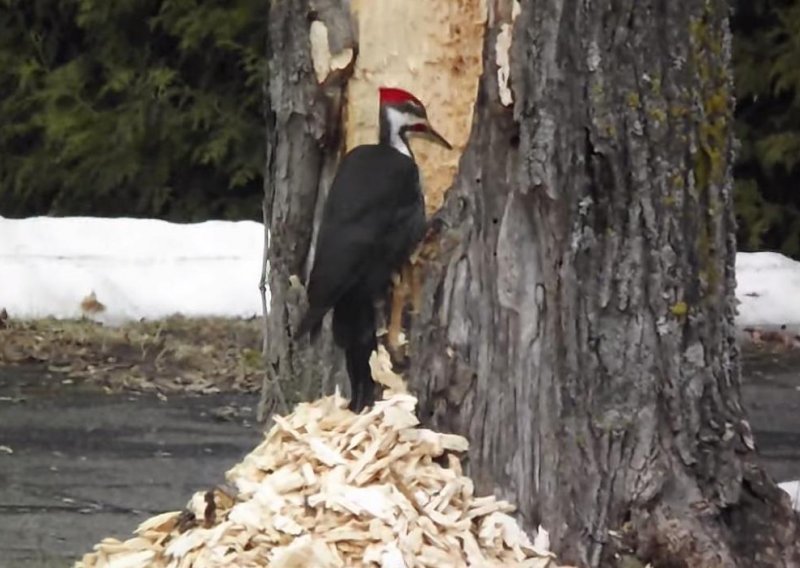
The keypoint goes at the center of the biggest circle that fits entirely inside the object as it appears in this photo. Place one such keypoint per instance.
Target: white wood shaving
(350, 491)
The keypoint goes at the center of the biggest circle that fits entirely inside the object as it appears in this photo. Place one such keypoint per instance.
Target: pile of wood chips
(329, 488)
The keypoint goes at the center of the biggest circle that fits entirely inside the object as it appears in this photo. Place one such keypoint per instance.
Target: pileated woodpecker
(373, 219)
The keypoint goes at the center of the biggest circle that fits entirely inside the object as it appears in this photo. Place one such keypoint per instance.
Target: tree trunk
(577, 325)
(591, 295)
(302, 151)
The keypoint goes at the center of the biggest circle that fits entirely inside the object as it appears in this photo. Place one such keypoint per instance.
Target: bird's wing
(370, 196)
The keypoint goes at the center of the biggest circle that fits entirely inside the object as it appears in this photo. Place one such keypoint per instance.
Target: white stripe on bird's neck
(396, 121)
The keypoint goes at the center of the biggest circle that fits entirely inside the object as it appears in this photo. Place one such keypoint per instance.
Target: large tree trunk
(580, 331)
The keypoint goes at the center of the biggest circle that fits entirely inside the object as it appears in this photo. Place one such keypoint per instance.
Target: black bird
(373, 219)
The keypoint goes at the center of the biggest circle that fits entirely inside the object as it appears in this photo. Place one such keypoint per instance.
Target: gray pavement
(87, 465)
(771, 392)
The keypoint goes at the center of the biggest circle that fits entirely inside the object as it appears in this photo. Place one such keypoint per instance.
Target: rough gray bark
(302, 151)
(580, 331)
(581, 334)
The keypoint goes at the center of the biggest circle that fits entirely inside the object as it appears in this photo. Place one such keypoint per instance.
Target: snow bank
(137, 268)
(144, 268)
(768, 290)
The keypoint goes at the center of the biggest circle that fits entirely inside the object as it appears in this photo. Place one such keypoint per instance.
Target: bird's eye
(416, 109)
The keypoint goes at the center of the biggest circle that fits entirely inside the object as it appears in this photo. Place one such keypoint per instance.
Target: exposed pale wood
(433, 49)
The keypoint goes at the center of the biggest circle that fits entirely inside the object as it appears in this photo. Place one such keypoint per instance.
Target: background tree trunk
(577, 325)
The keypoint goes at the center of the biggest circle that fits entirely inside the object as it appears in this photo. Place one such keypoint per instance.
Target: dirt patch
(197, 355)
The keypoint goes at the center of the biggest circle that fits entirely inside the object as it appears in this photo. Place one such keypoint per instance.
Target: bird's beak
(435, 137)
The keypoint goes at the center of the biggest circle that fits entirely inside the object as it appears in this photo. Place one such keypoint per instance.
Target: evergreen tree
(767, 72)
(132, 107)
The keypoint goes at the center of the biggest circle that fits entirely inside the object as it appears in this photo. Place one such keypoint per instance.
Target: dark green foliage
(131, 107)
(767, 72)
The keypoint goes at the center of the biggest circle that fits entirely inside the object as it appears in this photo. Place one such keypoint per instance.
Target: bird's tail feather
(361, 383)
(354, 331)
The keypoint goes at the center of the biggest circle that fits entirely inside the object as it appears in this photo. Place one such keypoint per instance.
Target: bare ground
(176, 355)
(101, 428)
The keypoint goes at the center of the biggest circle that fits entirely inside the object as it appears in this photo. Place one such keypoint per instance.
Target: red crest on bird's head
(393, 96)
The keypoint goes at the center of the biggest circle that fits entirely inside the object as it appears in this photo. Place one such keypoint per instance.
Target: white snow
(137, 268)
(145, 268)
(768, 290)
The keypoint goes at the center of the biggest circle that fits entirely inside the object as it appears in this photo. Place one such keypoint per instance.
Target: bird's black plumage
(373, 219)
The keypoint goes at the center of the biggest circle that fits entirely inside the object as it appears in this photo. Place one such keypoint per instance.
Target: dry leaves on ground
(176, 355)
